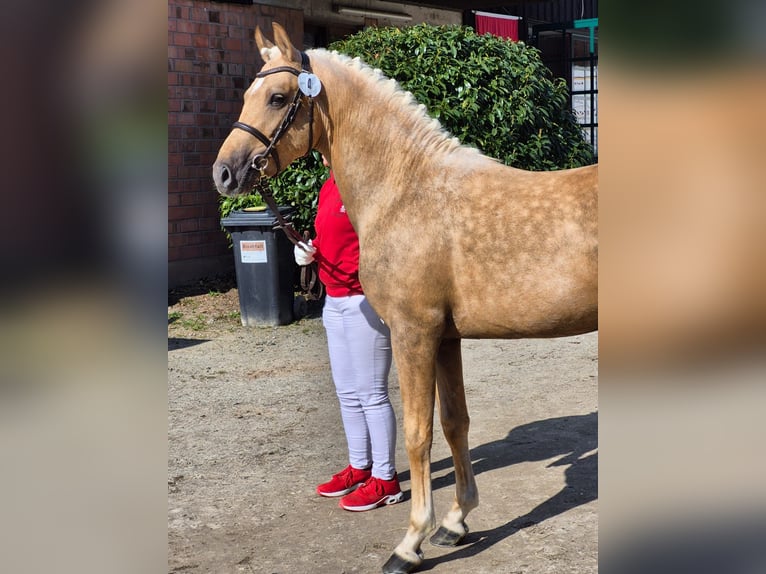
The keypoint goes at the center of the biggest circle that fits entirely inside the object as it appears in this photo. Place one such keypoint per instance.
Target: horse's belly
(496, 318)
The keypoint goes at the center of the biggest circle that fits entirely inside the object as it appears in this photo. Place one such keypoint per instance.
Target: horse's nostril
(224, 177)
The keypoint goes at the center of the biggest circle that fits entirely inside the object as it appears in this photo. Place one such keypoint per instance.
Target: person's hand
(304, 253)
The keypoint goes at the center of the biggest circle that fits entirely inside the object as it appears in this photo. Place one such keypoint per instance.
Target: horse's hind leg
(454, 418)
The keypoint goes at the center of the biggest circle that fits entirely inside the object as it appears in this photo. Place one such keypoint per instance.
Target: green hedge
(491, 93)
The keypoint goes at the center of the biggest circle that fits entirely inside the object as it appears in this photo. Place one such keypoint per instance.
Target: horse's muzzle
(225, 179)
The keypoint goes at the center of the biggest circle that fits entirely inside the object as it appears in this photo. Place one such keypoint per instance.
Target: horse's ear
(264, 45)
(285, 45)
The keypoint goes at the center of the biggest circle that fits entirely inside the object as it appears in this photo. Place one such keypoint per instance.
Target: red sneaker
(373, 493)
(344, 482)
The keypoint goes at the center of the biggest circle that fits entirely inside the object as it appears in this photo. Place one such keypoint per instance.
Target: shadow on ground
(569, 437)
(175, 343)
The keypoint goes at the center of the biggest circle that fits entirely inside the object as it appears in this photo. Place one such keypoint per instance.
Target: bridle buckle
(260, 163)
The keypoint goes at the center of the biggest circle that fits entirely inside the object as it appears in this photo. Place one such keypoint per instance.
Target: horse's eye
(277, 100)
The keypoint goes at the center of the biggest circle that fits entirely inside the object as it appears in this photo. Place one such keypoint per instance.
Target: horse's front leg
(415, 356)
(453, 412)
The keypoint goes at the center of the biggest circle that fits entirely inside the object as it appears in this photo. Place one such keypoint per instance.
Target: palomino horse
(453, 243)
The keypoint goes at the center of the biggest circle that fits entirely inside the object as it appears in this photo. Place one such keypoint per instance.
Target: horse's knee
(418, 442)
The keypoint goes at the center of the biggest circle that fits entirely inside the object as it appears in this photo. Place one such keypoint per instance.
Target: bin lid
(266, 218)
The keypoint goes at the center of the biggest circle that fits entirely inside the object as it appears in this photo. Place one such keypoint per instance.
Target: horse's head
(275, 125)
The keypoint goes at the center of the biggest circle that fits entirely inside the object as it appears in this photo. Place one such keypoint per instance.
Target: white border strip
(496, 15)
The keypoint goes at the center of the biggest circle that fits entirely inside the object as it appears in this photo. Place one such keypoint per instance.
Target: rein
(309, 280)
(311, 287)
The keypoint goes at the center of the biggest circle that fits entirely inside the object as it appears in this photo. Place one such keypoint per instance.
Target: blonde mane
(428, 130)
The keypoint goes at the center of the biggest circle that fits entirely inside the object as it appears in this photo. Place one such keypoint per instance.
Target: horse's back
(482, 250)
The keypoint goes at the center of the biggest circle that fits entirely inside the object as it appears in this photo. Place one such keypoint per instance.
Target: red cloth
(336, 243)
(499, 26)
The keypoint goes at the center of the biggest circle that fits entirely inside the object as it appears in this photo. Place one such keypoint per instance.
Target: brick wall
(211, 59)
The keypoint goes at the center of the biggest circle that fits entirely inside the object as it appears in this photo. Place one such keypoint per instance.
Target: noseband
(260, 161)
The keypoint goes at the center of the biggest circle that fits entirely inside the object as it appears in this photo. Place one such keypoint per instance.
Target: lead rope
(311, 288)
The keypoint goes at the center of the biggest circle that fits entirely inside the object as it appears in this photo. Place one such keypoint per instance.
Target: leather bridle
(312, 288)
(261, 161)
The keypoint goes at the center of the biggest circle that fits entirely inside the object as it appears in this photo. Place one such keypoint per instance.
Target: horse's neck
(373, 144)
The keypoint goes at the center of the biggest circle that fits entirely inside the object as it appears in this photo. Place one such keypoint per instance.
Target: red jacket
(337, 244)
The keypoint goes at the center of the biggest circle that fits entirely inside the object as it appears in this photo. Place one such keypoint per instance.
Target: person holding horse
(359, 345)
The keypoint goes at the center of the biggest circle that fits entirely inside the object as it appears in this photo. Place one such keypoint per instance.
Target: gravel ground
(254, 425)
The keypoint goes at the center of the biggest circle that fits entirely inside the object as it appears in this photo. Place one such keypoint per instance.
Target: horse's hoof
(444, 537)
(398, 565)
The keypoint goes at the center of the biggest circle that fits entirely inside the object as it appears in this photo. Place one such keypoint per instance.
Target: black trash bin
(265, 266)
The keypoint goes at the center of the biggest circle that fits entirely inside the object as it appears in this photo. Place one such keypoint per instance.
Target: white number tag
(309, 84)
